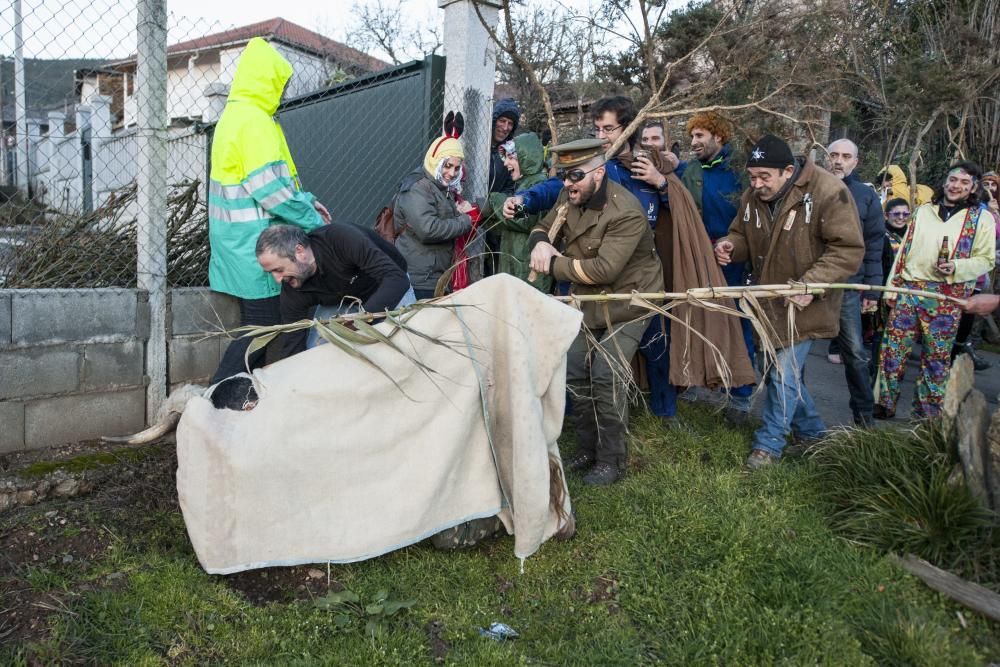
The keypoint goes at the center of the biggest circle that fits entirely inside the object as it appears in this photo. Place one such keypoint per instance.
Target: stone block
(192, 358)
(961, 380)
(111, 365)
(36, 371)
(11, 426)
(198, 310)
(971, 426)
(5, 319)
(55, 421)
(53, 316)
(993, 464)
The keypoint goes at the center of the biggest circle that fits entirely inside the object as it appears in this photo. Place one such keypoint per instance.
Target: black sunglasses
(574, 175)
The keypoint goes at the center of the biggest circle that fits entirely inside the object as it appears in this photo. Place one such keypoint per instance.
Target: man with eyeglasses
(843, 160)
(611, 115)
(640, 177)
(607, 247)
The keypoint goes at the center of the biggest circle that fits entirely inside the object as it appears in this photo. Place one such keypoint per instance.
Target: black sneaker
(602, 474)
(978, 363)
(672, 423)
(580, 461)
(798, 446)
(881, 412)
(863, 421)
(737, 417)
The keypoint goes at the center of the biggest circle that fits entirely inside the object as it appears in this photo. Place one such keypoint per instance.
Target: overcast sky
(105, 29)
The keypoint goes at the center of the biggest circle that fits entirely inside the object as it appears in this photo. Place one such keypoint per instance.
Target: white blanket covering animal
(336, 464)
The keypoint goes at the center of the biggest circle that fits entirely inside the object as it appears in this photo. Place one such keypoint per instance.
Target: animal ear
(449, 123)
(459, 126)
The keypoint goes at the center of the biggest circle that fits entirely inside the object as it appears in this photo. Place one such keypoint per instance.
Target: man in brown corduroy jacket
(796, 223)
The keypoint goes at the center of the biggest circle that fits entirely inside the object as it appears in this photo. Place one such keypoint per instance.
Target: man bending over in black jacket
(336, 267)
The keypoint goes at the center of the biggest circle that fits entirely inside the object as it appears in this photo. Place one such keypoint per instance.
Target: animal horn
(166, 418)
(150, 434)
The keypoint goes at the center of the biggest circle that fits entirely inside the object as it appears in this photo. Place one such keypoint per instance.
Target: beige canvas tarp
(336, 464)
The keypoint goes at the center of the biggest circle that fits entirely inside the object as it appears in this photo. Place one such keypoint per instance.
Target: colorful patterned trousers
(935, 323)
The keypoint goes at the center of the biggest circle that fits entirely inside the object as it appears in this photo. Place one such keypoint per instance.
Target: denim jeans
(326, 312)
(655, 347)
(788, 406)
(856, 357)
(253, 312)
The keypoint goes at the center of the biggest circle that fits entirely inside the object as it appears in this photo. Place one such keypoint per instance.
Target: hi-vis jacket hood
(260, 78)
(901, 188)
(253, 182)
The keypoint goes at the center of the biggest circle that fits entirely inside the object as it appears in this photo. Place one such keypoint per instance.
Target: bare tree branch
(509, 46)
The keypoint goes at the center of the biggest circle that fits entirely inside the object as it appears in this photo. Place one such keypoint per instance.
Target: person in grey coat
(428, 217)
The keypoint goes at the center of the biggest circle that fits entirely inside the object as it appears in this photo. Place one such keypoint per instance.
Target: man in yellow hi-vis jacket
(253, 184)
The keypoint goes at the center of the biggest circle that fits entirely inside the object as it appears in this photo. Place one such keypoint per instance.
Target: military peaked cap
(577, 152)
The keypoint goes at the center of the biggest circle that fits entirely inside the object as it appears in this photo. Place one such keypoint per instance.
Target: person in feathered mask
(429, 213)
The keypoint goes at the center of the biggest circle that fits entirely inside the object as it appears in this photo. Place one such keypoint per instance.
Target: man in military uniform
(607, 246)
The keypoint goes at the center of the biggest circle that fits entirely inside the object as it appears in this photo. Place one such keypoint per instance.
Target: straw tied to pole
(350, 331)
(695, 295)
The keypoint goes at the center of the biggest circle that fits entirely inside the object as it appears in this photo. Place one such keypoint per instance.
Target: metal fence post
(20, 104)
(151, 98)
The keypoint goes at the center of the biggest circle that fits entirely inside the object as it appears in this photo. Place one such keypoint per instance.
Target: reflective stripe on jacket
(253, 182)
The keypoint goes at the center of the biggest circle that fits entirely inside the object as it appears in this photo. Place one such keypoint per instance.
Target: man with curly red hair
(715, 185)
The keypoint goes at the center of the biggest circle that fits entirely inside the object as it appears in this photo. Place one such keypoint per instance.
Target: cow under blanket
(336, 464)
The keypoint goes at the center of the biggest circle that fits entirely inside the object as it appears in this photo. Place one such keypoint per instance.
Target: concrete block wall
(72, 361)
(193, 354)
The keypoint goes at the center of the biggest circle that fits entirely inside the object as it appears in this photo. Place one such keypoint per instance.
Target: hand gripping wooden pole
(554, 230)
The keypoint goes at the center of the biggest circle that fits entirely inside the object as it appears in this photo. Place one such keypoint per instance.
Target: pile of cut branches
(99, 249)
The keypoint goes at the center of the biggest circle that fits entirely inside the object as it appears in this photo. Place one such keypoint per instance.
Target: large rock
(973, 420)
(961, 381)
(993, 462)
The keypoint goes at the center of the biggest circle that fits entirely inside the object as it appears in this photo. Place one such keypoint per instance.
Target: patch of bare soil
(47, 549)
(13, 461)
(603, 590)
(438, 646)
(283, 584)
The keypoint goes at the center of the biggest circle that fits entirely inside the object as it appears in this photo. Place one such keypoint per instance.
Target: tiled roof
(292, 34)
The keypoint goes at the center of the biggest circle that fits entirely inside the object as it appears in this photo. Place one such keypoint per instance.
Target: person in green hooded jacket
(253, 184)
(524, 158)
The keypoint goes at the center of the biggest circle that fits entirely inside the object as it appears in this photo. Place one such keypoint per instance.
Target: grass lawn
(686, 562)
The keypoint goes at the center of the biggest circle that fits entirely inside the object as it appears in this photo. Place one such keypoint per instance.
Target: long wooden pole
(695, 294)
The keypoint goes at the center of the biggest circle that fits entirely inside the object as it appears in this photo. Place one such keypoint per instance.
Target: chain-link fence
(74, 148)
(73, 136)
(109, 111)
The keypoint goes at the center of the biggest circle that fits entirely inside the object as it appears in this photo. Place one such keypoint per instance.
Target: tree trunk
(915, 153)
